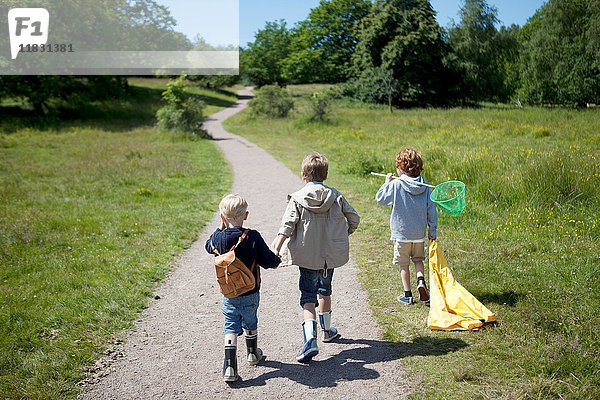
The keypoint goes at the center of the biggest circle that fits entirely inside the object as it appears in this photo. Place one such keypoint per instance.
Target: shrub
(272, 101)
(183, 113)
(363, 164)
(319, 104)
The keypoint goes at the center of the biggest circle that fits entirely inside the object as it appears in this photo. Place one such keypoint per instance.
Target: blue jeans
(240, 312)
(313, 282)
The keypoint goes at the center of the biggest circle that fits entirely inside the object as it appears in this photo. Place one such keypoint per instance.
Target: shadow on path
(351, 364)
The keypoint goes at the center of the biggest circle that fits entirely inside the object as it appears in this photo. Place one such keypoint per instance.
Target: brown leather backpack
(234, 277)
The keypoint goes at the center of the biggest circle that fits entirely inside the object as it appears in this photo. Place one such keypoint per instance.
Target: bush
(215, 81)
(183, 113)
(319, 104)
(272, 101)
(363, 164)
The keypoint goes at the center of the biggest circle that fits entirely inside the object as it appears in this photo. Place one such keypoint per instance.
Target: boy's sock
(408, 293)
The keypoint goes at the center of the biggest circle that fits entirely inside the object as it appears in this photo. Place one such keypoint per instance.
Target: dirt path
(175, 350)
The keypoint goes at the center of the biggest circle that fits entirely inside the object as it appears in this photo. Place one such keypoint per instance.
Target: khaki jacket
(318, 220)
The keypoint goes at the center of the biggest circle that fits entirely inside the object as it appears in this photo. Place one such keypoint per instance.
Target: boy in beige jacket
(318, 220)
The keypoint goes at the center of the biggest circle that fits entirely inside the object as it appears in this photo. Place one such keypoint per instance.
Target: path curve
(175, 350)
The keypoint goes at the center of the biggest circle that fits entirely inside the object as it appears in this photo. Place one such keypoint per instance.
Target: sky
(216, 21)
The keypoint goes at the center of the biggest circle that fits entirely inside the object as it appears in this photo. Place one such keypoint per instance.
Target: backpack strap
(214, 249)
(240, 239)
(233, 248)
(253, 261)
(257, 272)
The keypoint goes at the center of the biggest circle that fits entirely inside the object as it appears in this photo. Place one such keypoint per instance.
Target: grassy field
(94, 205)
(526, 245)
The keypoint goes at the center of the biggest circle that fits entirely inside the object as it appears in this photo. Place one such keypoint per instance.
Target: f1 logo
(28, 26)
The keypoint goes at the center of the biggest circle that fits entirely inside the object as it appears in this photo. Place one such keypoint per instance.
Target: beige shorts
(404, 252)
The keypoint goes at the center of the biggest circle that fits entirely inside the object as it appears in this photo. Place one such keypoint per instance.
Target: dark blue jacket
(252, 248)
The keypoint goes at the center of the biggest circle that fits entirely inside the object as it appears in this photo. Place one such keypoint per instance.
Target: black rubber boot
(255, 355)
(230, 364)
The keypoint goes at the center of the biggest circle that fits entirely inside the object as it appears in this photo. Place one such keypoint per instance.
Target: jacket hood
(315, 197)
(411, 186)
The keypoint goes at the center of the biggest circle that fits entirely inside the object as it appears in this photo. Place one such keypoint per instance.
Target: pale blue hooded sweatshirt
(412, 209)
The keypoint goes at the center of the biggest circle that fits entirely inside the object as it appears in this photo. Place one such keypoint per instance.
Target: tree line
(379, 51)
(394, 51)
(113, 25)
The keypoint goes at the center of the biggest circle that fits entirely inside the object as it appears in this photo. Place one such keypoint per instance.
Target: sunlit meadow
(94, 205)
(526, 244)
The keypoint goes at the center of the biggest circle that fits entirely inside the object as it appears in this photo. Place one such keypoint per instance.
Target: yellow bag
(452, 307)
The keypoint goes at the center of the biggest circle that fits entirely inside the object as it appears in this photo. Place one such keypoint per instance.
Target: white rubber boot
(310, 348)
(329, 333)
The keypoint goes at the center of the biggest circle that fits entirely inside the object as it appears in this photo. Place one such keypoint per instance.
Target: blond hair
(233, 206)
(409, 161)
(315, 167)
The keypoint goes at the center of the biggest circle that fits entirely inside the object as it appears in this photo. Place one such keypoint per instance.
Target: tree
(116, 25)
(262, 62)
(509, 50)
(404, 37)
(559, 61)
(304, 65)
(323, 44)
(374, 85)
(390, 86)
(148, 26)
(593, 33)
(482, 51)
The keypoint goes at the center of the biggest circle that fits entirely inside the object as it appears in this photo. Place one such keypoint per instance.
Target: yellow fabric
(452, 307)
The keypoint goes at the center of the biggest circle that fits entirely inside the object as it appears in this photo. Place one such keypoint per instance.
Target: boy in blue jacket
(412, 213)
(240, 312)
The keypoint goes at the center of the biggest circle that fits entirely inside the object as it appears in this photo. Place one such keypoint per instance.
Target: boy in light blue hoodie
(412, 213)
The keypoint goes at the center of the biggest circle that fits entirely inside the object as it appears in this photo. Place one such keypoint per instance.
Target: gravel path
(175, 350)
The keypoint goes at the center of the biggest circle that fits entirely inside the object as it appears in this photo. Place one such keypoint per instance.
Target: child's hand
(389, 176)
(277, 243)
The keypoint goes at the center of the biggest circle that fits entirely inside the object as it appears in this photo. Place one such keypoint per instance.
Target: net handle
(404, 179)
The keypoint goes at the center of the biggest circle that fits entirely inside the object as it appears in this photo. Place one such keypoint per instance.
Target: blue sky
(216, 20)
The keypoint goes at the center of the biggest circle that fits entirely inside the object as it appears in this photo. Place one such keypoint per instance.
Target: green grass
(526, 245)
(93, 209)
(138, 109)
